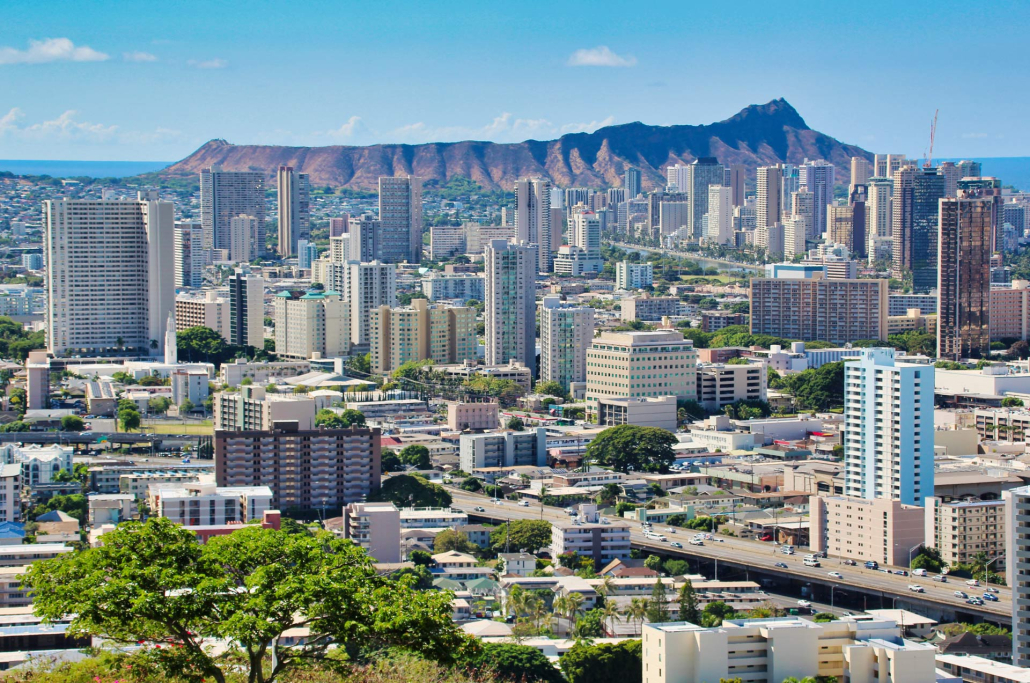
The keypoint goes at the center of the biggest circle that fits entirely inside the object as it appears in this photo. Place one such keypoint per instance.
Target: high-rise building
(819, 309)
(841, 227)
(738, 179)
(720, 215)
(338, 226)
(914, 230)
(307, 253)
(858, 198)
(203, 309)
(969, 169)
(246, 309)
(952, 175)
(768, 191)
(294, 209)
(307, 469)
(817, 177)
(533, 218)
(446, 241)
(225, 195)
(365, 235)
(565, 334)
(624, 364)
(368, 286)
(443, 334)
(702, 173)
(880, 216)
(794, 230)
(886, 165)
(189, 254)
(400, 218)
(586, 234)
(1017, 560)
(888, 428)
(310, 323)
(964, 273)
(510, 303)
(243, 235)
(859, 171)
(631, 182)
(629, 276)
(110, 283)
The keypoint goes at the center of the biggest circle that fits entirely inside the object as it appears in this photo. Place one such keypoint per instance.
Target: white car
(696, 541)
(916, 588)
(805, 604)
(836, 575)
(524, 503)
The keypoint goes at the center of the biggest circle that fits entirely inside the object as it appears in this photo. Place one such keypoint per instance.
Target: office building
(400, 218)
(701, 174)
(294, 191)
(820, 309)
(533, 219)
(964, 274)
(475, 417)
(720, 385)
(768, 191)
(969, 169)
(842, 227)
(446, 241)
(720, 215)
(631, 182)
(773, 650)
(206, 309)
(190, 255)
(635, 364)
(1017, 569)
(368, 286)
(630, 276)
(565, 333)
(252, 408)
(888, 428)
(243, 236)
(961, 529)
(307, 469)
(424, 331)
(463, 286)
(503, 449)
(510, 303)
(917, 192)
(311, 324)
(817, 178)
(246, 309)
(205, 504)
(110, 281)
(376, 527)
(225, 195)
(654, 411)
(886, 165)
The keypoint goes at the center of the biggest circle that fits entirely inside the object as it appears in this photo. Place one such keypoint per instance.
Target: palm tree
(575, 606)
(636, 611)
(543, 494)
(609, 614)
(607, 587)
(560, 606)
(516, 602)
(537, 612)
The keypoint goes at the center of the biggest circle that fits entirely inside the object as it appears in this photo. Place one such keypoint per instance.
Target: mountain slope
(757, 135)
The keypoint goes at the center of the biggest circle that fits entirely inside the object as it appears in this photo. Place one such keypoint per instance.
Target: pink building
(271, 519)
(1009, 312)
(881, 530)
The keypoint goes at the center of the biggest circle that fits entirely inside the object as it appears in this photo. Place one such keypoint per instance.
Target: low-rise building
(473, 416)
(519, 564)
(111, 508)
(253, 408)
(630, 276)
(963, 528)
(262, 373)
(723, 384)
(515, 371)
(654, 411)
(880, 530)
(648, 307)
(503, 449)
(376, 527)
(208, 504)
(21, 555)
(189, 385)
(210, 310)
(454, 286)
(713, 321)
(588, 537)
(39, 464)
(432, 518)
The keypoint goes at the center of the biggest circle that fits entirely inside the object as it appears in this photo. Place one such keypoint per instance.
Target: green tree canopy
(513, 663)
(1011, 402)
(389, 462)
(417, 456)
(689, 610)
(550, 388)
(605, 663)
(153, 584)
(449, 539)
(525, 534)
(407, 490)
(628, 447)
(72, 423)
(515, 424)
(353, 418)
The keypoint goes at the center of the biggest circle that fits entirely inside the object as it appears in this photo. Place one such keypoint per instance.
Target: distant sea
(1014, 171)
(74, 169)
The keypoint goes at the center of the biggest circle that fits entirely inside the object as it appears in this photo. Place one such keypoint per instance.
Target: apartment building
(533, 219)
(190, 255)
(252, 408)
(205, 504)
(1017, 569)
(311, 324)
(10, 493)
(856, 649)
(1009, 312)
(423, 331)
(960, 529)
(376, 527)
(713, 321)
(460, 286)
(138, 484)
(565, 334)
(294, 190)
(473, 416)
(515, 371)
(400, 216)
(110, 281)
(305, 468)
(601, 542)
(368, 286)
(446, 241)
(503, 449)
(39, 464)
(209, 309)
(652, 411)
(881, 530)
(246, 309)
(225, 195)
(630, 276)
(648, 307)
(510, 303)
(639, 364)
(189, 385)
(899, 304)
(721, 384)
(819, 309)
(21, 555)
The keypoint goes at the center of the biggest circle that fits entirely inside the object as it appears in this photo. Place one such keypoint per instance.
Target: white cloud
(504, 128)
(599, 56)
(67, 129)
(587, 127)
(138, 57)
(216, 63)
(50, 50)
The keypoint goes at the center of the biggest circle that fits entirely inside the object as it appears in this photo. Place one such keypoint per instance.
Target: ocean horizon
(1014, 171)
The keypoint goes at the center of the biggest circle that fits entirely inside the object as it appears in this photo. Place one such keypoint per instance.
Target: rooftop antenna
(928, 157)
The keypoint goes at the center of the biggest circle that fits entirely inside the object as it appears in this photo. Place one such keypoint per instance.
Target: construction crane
(928, 157)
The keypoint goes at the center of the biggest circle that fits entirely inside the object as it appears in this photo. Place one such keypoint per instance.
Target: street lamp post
(987, 566)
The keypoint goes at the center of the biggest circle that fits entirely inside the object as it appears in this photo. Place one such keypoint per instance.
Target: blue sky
(152, 81)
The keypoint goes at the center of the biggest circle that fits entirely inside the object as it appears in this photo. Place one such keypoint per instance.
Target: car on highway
(480, 509)
(498, 501)
(960, 594)
(781, 565)
(990, 597)
(696, 541)
(973, 583)
(915, 588)
(836, 575)
(975, 601)
(871, 564)
(850, 563)
(804, 604)
(901, 572)
(675, 544)
(991, 589)
(524, 503)
(940, 578)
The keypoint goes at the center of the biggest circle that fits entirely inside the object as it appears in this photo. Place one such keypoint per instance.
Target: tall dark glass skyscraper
(915, 225)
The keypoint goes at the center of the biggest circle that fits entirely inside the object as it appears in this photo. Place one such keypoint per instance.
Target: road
(764, 557)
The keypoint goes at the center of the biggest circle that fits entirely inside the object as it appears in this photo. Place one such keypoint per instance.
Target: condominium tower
(225, 195)
(189, 254)
(368, 286)
(819, 309)
(400, 218)
(533, 218)
(817, 177)
(442, 334)
(565, 334)
(110, 281)
(294, 209)
(914, 226)
(510, 303)
(768, 190)
(246, 309)
(888, 428)
(702, 173)
(310, 323)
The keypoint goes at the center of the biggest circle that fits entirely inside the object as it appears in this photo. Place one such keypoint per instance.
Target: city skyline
(365, 86)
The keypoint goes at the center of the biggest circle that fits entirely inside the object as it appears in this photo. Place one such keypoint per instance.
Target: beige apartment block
(1009, 311)
(721, 384)
(639, 364)
(206, 310)
(653, 411)
(376, 527)
(837, 311)
(960, 529)
(473, 416)
(311, 325)
(443, 334)
(882, 530)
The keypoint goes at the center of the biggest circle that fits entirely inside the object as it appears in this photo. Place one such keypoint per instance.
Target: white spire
(171, 348)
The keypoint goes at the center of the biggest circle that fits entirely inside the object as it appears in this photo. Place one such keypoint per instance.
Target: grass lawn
(193, 427)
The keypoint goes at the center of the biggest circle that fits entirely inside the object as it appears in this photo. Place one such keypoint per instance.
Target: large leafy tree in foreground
(629, 447)
(153, 584)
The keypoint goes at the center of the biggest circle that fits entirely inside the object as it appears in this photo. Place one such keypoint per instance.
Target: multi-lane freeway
(735, 554)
